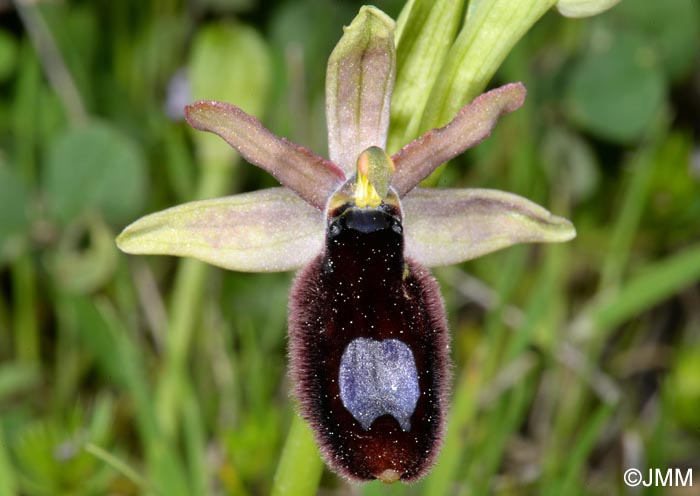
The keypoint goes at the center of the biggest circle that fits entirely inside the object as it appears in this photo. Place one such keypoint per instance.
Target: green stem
(8, 485)
(634, 201)
(53, 62)
(658, 281)
(116, 464)
(300, 467)
(462, 411)
(25, 321)
(469, 385)
(164, 470)
(195, 443)
(187, 298)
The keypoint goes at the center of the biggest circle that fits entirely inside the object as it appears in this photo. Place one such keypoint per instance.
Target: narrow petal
(415, 161)
(264, 231)
(310, 176)
(359, 82)
(447, 226)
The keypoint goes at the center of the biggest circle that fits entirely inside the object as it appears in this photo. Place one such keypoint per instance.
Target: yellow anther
(374, 172)
(365, 194)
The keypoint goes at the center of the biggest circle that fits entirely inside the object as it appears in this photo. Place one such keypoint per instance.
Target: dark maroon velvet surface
(361, 286)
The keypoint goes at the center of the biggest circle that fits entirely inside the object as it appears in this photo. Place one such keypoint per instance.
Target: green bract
(584, 8)
(273, 230)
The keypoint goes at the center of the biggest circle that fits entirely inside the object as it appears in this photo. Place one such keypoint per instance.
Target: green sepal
(448, 226)
(264, 231)
(359, 83)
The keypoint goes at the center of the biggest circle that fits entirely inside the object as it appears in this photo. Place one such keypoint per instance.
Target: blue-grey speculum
(379, 378)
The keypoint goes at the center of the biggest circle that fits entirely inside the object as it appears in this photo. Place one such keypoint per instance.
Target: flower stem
(27, 342)
(8, 484)
(300, 467)
(184, 306)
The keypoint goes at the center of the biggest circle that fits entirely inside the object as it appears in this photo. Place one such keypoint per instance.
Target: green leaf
(402, 20)
(303, 33)
(675, 202)
(51, 460)
(74, 29)
(653, 284)
(8, 482)
(615, 91)
(227, 6)
(14, 199)
(672, 27)
(584, 8)
(683, 386)
(569, 160)
(8, 55)
(492, 29)
(17, 377)
(427, 34)
(80, 269)
(95, 167)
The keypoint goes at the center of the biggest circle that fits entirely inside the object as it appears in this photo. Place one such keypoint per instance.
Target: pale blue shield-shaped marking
(379, 378)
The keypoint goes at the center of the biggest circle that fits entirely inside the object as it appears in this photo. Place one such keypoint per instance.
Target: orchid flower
(368, 337)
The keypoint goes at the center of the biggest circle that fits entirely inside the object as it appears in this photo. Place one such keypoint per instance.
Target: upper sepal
(312, 177)
(359, 83)
(448, 226)
(263, 231)
(415, 161)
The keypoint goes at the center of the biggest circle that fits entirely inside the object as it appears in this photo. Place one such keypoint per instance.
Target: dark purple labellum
(369, 350)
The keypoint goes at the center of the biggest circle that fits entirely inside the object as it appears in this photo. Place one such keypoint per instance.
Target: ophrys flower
(367, 330)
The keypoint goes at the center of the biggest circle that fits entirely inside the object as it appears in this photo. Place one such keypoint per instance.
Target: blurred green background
(130, 375)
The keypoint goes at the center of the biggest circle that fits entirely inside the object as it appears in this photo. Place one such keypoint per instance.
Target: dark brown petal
(311, 177)
(415, 161)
